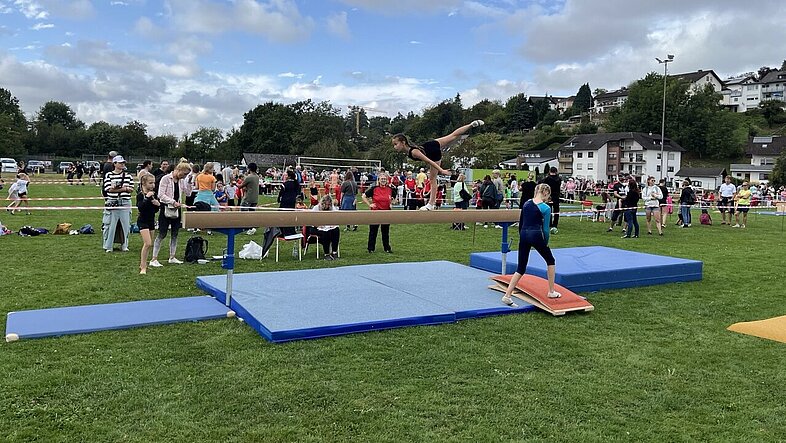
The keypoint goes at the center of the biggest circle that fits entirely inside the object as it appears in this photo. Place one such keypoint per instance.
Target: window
(639, 157)
(612, 155)
(659, 157)
(657, 168)
(752, 87)
(612, 168)
(670, 169)
(590, 166)
(671, 156)
(579, 154)
(763, 176)
(578, 166)
(590, 155)
(736, 100)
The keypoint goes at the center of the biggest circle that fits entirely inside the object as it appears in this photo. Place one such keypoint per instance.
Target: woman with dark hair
(430, 152)
(630, 203)
(287, 197)
(349, 190)
(488, 195)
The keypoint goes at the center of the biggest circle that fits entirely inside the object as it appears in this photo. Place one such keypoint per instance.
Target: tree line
(695, 119)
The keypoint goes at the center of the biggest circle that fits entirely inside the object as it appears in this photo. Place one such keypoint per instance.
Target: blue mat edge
(308, 333)
(325, 331)
(113, 328)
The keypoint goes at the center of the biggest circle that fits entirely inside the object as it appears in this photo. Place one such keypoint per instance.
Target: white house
(763, 151)
(540, 160)
(705, 178)
(741, 94)
(773, 86)
(609, 100)
(605, 156)
(701, 78)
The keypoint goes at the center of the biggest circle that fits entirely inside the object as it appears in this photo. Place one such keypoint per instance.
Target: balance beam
(234, 223)
(254, 219)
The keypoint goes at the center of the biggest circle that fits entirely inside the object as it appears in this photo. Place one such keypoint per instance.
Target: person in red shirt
(379, 198)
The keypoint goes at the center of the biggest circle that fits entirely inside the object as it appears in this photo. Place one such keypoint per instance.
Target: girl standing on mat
(431, 153)
(148, 204)
(534, 233)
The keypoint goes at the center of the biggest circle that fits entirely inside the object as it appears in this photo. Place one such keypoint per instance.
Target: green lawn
(649, 364)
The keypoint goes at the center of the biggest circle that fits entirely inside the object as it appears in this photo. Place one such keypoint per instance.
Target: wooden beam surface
(254, 219)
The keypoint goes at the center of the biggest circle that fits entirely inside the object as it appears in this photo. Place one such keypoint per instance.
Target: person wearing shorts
(726, 203)
(431, 153)
(743, 204)
(652, 196)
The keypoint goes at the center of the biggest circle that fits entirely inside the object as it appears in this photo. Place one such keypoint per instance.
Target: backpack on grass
(196, 248)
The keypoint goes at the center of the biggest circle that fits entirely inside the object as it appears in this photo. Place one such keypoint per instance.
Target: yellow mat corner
(771, 328)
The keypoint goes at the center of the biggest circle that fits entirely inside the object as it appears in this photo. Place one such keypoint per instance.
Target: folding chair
(294, 237)
(586, 209)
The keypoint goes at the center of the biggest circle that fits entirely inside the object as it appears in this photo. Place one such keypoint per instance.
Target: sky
(176, 65)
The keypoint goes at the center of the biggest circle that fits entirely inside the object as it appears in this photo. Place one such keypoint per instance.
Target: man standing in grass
(726, 204)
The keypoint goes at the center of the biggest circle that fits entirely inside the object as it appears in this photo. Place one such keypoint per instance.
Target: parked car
(90, 163)
(8, 165)
(36, 166)
(64, 166)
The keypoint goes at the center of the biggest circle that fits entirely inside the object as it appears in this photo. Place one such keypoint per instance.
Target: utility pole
(669, 58)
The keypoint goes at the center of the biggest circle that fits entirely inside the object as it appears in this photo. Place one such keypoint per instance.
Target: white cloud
(290, 75)
(40, 26)
(99, 56)
(118, 3)
(278, 20)
(402, 7)
(415, 42)
(31, 9)
(337, 25)
(72, 9)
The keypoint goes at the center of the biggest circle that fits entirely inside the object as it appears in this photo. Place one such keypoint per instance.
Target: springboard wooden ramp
(533, 290)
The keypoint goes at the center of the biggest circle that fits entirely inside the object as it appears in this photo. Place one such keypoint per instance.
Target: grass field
(649, 364)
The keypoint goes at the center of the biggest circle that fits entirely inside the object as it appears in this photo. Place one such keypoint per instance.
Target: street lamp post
(665, 62)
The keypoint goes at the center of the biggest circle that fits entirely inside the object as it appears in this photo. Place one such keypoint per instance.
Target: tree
(58, 131)
(778, 177)
(268, 129)
(763, 71)
(772, 110)
(206, 141)
(583, 100)
(479, 151)
(599, 91)
(162, 146)
(57, 113)
(133, 138)
(103, 137)
(520, 115)
(13, 126)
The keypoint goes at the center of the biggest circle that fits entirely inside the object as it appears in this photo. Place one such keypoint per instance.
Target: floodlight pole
(665, 62)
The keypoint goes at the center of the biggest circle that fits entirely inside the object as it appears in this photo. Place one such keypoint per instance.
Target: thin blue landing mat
(292, 305)
(595, 268)
(780, 214)
(90, 318)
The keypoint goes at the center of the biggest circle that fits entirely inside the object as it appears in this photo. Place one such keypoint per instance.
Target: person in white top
(652, 196)
(226, 174)
(726, 203)
(329, 235)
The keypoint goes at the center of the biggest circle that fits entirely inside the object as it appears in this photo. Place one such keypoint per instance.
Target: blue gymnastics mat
(595, 268)
(293, 305)
(90, 318)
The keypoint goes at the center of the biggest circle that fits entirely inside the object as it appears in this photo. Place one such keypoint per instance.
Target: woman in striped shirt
(118, 185)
